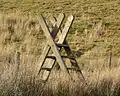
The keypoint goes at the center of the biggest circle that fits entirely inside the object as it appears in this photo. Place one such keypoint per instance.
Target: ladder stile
(65, 30)
(67, 49)
(56, 45)
(53, 45)
(47, 47)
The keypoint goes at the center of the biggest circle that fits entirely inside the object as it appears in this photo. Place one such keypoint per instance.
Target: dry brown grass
(25, 82)
(19, 32)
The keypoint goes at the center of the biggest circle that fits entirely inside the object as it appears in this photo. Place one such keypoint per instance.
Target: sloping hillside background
(94, 33)
(94, 39)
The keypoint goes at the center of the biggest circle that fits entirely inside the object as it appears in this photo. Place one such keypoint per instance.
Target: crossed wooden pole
(56, 46)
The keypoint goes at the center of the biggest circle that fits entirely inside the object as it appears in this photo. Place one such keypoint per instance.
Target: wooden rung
(75, 69)
(52, 57)
(70, 57)
(62, 45)
(48, 69)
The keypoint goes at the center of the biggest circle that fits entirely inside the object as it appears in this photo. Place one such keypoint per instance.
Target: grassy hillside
(94, 34)
(87, 12)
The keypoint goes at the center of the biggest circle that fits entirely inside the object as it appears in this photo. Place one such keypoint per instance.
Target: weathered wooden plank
(73, 61)
(57, 25)
(69, 57)
(48, 69)
(53, 45)
(62, 45)
(42, 57)
(64, 32)
(51, 57)
(67, 49)
(66, 29)
(47, 48)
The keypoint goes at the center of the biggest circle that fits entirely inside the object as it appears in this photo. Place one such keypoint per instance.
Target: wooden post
(17, 60)
(17, 64)
(110, 60)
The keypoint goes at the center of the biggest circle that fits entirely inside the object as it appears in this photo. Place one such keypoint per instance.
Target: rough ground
(94, 34)
(95, 30)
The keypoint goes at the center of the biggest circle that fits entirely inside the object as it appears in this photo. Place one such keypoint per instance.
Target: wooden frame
(56, 31)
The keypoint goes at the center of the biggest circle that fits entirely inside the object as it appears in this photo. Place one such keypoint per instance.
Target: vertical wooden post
(17, 60)
(17, 64)
(110, 60)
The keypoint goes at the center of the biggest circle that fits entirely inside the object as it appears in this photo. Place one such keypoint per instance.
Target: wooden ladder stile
(47, 47)
(56, 46)
(66, 46)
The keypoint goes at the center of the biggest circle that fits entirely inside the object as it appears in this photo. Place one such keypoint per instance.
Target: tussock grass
(25, 83)
(20, 33)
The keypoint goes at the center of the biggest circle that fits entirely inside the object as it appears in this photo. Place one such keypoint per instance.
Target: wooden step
(48, 69)
(70, 57)
(75, 69)
(52, 57)
(62, 45)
